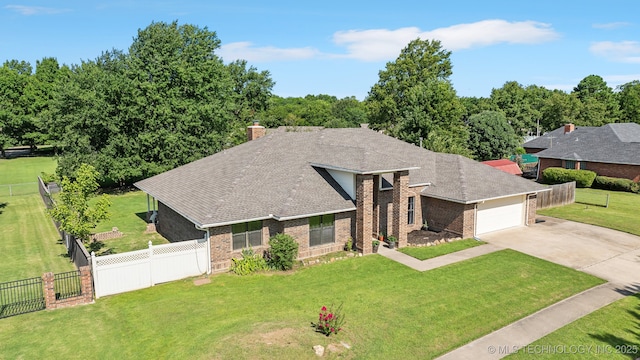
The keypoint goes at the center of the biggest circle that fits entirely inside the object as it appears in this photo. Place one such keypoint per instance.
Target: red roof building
(505, 165)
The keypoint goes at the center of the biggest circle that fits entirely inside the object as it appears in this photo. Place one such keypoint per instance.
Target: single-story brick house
(323, 186)
(609, 150)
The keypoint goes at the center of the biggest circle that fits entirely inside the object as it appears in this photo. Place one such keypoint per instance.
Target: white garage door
(500, 214)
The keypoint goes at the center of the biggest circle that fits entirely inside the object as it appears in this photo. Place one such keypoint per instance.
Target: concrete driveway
(609, 254)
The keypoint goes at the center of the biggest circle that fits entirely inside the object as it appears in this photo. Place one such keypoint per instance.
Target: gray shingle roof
(611, 143)
(282, 175)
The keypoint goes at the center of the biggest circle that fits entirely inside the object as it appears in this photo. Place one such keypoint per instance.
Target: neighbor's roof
(282, 175)
(611, 143)
(505, 165)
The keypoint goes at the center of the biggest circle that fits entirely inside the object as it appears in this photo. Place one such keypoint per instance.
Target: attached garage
(499, 214)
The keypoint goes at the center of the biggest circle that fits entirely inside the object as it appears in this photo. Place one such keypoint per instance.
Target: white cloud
(611, 26)
(35, 10)
(245, 50)
(623, 51)
(383, 44)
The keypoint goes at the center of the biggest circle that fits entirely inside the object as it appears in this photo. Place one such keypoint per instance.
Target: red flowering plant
(329, 322)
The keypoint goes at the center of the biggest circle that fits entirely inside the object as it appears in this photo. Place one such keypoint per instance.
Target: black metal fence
(21, 297)
(75, 249)
(67, 284)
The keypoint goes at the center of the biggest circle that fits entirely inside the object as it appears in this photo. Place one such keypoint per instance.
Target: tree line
(170, 100)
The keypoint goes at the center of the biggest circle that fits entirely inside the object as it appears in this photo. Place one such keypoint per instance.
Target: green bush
(583, 178)
(250, 263)
(282, 252)
(616, 184)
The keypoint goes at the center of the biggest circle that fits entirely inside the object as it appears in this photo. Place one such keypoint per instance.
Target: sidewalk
(429, 264)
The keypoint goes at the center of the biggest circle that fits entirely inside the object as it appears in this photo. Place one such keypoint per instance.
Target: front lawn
(128, 211)
(391, 312)
(622, 213)
(611, 333)
(428, 252)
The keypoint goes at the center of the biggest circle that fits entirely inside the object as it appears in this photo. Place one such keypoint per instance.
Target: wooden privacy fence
(118, 273)
(560, 194)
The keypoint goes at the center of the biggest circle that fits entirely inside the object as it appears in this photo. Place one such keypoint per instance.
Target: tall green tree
(169, 100)
(14, 80)
(629, 97)
(414, 98)
(559, 109)
(599, 103)
(491, 137)
(512, 99)
(75, 211)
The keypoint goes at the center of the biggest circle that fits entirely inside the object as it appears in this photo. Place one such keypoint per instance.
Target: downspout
(208, 241)
(475, 221)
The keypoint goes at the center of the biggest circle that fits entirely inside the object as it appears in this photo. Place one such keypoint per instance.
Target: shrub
(583, 178)
(250, 263)
(616, 184)
(282, 252)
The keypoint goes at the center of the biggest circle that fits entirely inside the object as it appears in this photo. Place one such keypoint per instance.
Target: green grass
(622, 213)
(391, 312)
(128, 211)
(29, 242)
(24, 171)
(428, 252)
(609, 333)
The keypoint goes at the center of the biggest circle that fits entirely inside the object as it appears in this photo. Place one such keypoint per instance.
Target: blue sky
(338, 47)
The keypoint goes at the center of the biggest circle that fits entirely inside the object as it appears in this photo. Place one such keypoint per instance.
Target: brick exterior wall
(86, 285)
(174, 227)
(532, 202)
(631, 172)
(624, 171)
(400, 200)
(364, 213)
(221, 239)
(446, 215)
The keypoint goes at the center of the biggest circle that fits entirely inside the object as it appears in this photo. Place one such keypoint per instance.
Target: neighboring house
(609, 150)
(323, 186)
(505, 165)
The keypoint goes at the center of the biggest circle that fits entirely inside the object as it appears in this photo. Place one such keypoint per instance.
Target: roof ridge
(463, 179)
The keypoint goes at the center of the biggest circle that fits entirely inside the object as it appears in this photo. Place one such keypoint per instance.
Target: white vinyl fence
(114, 274)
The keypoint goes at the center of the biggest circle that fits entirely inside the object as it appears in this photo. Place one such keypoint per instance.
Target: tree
(599, 103)
(629, 97)
(559, 109)
(75, 211)
(512, 99)
(491, 136)
(414, 98)
(170, 100)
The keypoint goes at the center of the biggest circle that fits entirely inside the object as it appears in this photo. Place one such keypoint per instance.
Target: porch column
(400, 206)
(364, 213)
(376, 205)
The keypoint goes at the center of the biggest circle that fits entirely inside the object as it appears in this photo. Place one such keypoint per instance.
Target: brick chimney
(568, 128)
(255, 131)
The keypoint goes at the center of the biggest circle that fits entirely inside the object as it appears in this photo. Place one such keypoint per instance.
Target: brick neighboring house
(609, 150)
(323, 186)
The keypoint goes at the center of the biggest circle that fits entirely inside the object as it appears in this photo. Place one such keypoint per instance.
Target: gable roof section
(505, 165)
(460, 179)
(283, 175)
(611, 143)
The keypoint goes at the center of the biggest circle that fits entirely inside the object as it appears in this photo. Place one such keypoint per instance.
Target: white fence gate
(114, 274)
